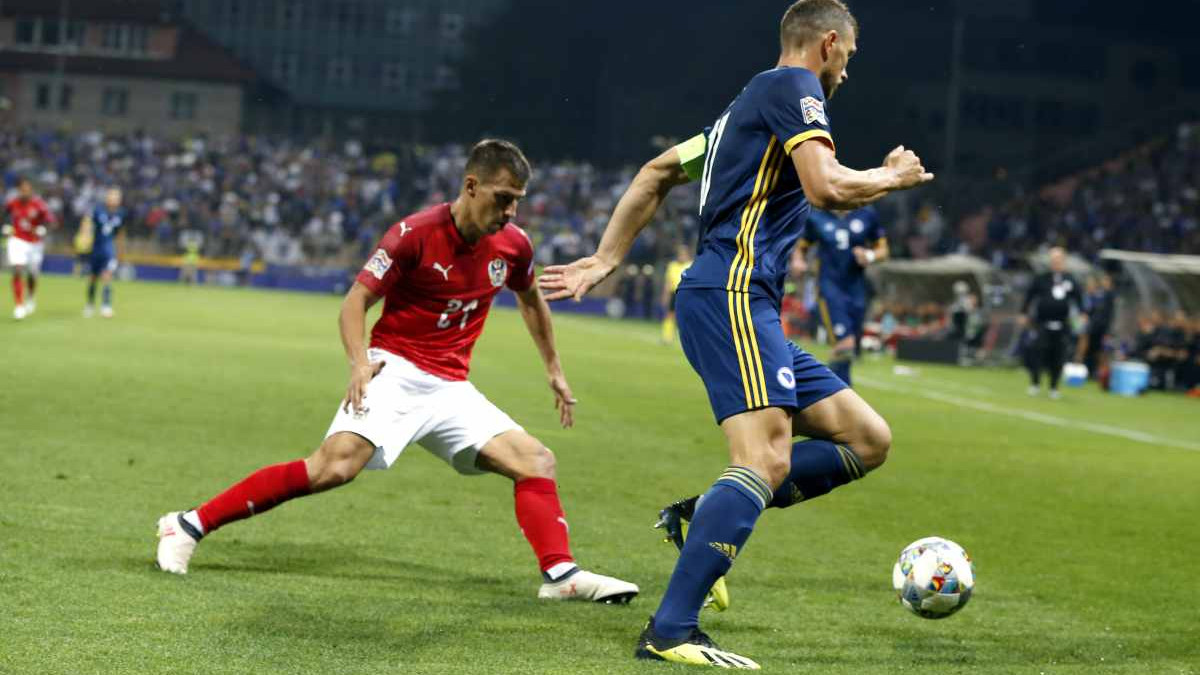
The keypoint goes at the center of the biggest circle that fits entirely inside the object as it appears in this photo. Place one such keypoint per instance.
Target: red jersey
(26, 216)
(438, 288)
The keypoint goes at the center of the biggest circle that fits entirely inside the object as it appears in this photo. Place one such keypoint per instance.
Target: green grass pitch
(1082, 515)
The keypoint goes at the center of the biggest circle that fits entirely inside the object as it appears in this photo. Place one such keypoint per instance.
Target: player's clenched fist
(907, 167)
(360, 376)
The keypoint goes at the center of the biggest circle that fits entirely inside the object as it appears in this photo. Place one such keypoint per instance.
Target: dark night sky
(599, 79)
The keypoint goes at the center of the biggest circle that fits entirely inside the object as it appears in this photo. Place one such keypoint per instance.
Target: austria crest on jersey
(498, 272)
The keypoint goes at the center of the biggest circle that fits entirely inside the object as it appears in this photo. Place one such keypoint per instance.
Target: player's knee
(874, 443)
(536, 461)
(337, 462)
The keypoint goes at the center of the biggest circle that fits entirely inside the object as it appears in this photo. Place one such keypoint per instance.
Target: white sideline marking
(1052, 420)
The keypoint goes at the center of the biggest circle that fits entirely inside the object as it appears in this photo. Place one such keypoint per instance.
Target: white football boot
(30, 307)
(106, 311)
(585, 585)
(89, 311)
(175, 545)
(19, 312)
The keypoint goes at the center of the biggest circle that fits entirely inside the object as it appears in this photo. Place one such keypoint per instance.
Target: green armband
(691, 156)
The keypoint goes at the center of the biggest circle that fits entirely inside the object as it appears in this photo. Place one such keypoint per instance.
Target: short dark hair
(807, 20)
(491, 155)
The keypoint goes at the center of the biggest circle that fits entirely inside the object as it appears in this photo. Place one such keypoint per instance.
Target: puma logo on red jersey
(444, 270)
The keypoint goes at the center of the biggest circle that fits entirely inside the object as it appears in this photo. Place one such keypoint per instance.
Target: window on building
(339, 71)
(41, 96)
(139, 38)
(395, 76)
(452, 26)
(286, 67)
(75, 33)
(112, 37)
(398, 21)
(26, 32)
(114, 101)
(446, 78)
(50, 31)
(183, 105)
(65, 94)
(291, 14)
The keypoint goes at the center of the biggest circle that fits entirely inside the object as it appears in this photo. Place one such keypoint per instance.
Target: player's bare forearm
(882, 251)
(536, 314)
(352, 322)
(638, 205)
(831, 186)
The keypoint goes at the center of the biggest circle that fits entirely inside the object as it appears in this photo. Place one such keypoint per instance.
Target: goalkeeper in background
(675, 270)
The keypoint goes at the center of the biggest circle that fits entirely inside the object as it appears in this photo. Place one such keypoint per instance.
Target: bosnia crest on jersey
(498, 271)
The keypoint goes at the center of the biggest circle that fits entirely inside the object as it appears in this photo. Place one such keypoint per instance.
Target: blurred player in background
(1048, 304)
(28, 218)
(106, 224)
(674, 275)
(847, 243)
(767, 156)
(438, 271)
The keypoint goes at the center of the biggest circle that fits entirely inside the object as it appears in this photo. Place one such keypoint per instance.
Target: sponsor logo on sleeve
(813, 110)
(379, 264)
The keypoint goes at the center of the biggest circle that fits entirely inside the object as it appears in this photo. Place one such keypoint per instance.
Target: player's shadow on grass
(337, 562)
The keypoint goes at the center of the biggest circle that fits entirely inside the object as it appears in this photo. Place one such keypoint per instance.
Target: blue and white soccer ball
(934, 577)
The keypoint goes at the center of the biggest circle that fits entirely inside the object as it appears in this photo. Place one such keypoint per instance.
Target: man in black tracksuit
(1048, 303)
(1101, 309)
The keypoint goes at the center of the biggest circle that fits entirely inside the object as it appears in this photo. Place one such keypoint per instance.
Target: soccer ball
(934, 577)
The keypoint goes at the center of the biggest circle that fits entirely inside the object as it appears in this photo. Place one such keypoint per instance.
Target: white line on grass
(1106, 429)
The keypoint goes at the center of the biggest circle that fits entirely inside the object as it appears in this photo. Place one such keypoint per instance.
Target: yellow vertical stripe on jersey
(772, 179)
(734, 326)
(738, 320)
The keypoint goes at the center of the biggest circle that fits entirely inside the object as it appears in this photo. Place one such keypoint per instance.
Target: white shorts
(26, 253)
(405, 405)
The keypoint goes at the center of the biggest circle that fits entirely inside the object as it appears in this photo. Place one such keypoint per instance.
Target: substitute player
(106, 224)
(438, 272)
(767, 156)
(847, 243)
(29, 218)
(674, 275)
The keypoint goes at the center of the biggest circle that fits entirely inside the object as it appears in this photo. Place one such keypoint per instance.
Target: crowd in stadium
(1147, 200)
(292, 203)
(322, 202)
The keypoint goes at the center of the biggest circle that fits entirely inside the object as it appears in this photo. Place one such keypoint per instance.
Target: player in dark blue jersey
(766, 158)
(847, 243)
(107, 225)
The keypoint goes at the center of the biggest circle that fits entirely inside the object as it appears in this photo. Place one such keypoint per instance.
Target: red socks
(542, 521)
(18, 290)
(257, 493)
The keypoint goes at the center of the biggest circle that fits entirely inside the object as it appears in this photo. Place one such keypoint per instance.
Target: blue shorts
(102, 263)
(842, 314)
(735, 342)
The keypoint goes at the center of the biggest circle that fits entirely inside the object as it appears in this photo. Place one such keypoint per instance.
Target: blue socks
(817, 467)
(723, 521)
(107, 296)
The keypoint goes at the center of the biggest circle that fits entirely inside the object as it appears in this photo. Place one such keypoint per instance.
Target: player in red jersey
(438, 272)
(28, 219)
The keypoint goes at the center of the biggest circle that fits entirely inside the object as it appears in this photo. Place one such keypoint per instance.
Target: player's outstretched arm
(536, 314)
(829, 185)
(634, 211)
(352, 323)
